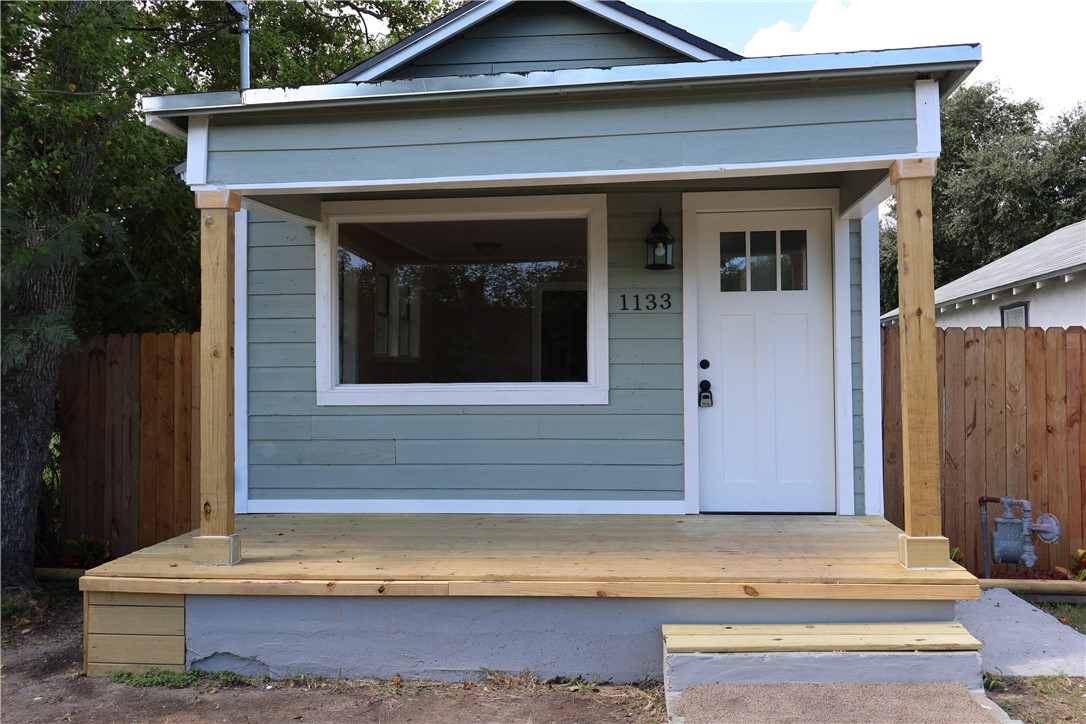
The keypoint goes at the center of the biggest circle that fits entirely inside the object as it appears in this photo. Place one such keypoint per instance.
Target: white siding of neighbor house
(1055, 304)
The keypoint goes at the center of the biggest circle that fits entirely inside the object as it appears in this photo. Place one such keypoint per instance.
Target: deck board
(470, 555)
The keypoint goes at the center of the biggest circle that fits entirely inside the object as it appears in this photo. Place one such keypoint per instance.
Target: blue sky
(1035, 49)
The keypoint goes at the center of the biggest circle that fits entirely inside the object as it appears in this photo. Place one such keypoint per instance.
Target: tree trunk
(26, 426)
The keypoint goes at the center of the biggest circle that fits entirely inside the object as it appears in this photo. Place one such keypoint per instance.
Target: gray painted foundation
(452, 639)
(683, 671)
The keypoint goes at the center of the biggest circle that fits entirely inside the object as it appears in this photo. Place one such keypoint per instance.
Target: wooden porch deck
(706, 556)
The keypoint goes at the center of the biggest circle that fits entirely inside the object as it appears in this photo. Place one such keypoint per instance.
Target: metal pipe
(242, 9)
(984, 533)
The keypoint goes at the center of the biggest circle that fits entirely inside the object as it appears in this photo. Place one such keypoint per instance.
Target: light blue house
(558, 259)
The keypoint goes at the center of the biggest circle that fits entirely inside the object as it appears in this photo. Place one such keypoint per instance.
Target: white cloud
(1033, 49)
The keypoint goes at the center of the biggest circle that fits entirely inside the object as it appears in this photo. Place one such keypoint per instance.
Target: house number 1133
(645, 302)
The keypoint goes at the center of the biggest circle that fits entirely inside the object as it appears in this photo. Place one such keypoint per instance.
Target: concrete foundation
(452, 639)
(682, 671)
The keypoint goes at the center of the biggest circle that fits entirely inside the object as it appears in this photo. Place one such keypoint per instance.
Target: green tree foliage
(91, 193)
(1004, 181)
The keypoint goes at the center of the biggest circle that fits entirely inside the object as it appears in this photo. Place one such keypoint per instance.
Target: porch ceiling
(735, 556)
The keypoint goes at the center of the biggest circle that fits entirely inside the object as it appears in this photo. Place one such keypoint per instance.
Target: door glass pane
(763, 261)
(793, 260)
(733, 261)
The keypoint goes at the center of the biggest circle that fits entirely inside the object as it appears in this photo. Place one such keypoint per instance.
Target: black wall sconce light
(660, 247)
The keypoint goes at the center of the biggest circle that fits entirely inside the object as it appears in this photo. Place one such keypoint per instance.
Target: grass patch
(1043, 699)
(158, 677)
(183, 679)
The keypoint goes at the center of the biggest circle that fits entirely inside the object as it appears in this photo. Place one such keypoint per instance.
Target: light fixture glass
(660, 246)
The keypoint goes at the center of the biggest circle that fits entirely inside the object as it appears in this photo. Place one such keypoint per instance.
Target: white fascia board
(565, 178)
(565, 82)
(168, 127)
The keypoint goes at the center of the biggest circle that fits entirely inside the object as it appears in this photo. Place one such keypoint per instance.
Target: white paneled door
(765, 355)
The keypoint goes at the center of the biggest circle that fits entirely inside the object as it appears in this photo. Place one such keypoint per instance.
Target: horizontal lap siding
(664, 131)
(630, 449)
(538, 36)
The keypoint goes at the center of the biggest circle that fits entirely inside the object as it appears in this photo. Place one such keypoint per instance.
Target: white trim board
(241, 361)
(872, 364)
(196, 158)
(518, 507)
(725, 201)
(929, 138)
(591, 207)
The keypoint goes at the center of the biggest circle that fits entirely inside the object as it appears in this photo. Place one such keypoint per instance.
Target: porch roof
(948, 65)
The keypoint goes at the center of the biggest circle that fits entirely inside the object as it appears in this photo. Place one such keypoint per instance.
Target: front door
(765, 346)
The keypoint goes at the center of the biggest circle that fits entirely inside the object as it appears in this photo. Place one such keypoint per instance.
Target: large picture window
(481, 301)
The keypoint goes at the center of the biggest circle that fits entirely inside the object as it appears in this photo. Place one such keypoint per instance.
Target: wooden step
(749, 638)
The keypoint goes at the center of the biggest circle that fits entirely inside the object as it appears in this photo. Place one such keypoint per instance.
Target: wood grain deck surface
(740, 556)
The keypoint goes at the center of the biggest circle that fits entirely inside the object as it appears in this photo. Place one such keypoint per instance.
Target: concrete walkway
(1020, 639)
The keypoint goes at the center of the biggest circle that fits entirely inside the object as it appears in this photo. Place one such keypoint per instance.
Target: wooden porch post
(217, 544)
(922, 545)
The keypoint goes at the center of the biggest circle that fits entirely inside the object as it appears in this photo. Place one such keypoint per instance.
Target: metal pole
(242, 9)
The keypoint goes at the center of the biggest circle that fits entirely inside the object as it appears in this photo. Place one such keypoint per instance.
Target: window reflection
(463, 301)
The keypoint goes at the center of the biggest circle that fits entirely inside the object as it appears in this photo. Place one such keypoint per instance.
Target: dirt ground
(40, 681)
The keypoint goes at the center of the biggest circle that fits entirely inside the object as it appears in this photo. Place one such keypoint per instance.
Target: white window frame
(591, 207)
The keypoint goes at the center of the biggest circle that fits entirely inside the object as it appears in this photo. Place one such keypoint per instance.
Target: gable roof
(447, 29)
(1061, 252)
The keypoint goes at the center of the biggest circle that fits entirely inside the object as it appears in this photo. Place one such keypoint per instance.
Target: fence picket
(950, 374)
(148, 439)
(893, 487)
(975, 438)
(1056, 436)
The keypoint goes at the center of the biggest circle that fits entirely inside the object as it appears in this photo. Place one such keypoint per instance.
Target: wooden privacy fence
(1011, 403)
(129, 444)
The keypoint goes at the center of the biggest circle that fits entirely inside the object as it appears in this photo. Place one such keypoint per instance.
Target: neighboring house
(1043, 284)
(576, 276)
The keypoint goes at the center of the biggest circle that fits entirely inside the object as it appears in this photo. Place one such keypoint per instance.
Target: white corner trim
(517, 507)
(692, 442)
(928, 129)
(872, 363)
(591, 207)
(196, 161)
(842, 366)
(241, 362)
